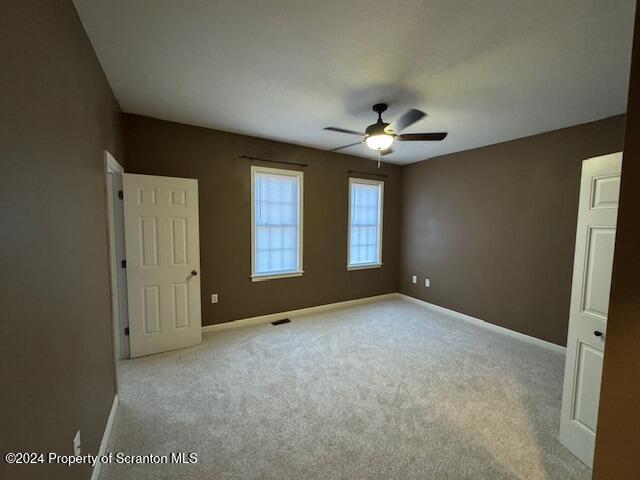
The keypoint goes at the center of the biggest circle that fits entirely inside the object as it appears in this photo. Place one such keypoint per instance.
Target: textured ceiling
(485, 71)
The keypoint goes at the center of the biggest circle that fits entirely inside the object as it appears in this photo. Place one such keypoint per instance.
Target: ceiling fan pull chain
(379, 155)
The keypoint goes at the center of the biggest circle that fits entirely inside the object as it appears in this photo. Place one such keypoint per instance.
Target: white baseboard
(482, 323)
(105, 437)
(271, 317)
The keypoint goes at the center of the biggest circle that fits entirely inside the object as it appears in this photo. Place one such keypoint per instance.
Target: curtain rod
(273, 161)
(368, 173)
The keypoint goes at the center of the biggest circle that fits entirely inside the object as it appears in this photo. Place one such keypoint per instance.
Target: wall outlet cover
(214, 298)
(414, 279)
(427, 282)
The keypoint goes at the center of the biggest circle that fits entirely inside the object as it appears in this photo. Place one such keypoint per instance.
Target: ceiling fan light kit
(381, 141)
(380, 136)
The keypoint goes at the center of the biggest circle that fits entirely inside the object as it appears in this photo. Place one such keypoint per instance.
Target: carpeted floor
(387, 390)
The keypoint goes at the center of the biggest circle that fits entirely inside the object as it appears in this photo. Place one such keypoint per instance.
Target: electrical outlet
(77, 450)
(214, 298)
(414, 279)
(427, 282)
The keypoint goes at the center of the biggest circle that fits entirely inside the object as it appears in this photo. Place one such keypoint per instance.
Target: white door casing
(593, 262)
(116, 254)
(115, 228)
(163, 263)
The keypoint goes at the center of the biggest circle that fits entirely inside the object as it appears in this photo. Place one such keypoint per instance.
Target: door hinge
(120, 194)
(126, 330)
(124, 264)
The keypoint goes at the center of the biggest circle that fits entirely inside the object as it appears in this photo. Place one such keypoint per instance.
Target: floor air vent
(280, 322)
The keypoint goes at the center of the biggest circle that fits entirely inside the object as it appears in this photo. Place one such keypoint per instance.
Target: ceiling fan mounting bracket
(380, 107)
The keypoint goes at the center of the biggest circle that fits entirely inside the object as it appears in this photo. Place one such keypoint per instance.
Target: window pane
(364, 231)
(277, 226)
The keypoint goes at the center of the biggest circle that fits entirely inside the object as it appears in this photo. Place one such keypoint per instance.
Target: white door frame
(117, 275)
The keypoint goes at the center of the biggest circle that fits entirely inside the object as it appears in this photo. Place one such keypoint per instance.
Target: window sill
(262, 278)
(364, 266)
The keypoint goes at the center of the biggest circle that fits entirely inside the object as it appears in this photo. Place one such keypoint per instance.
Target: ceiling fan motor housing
(376, 128)
(379, 127)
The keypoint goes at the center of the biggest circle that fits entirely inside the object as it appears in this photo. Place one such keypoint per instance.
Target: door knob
(194, 273)
(597, 333)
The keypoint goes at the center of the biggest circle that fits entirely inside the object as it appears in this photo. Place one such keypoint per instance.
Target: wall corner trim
(484, 324)
(105, 437)
(262, 319)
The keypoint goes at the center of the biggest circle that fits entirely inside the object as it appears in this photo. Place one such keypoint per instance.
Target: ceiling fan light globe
(380, 141)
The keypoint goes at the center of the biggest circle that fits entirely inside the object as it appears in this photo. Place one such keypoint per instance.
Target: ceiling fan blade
(345, 146)
(409, 118)
(413, 137)
(344, 130)
(387, 151)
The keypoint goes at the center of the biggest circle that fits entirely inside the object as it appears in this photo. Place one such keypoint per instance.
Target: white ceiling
(486, 71)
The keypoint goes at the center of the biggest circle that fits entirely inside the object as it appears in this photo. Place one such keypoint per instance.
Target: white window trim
(378, 264)
(287, 274)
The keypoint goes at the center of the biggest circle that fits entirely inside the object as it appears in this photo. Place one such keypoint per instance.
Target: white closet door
(163, 263)
(593, 262)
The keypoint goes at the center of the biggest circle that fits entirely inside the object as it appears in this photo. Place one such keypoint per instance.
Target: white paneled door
(593, 262)
(163, 263)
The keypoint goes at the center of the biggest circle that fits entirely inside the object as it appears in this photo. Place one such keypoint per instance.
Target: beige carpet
(388, 390)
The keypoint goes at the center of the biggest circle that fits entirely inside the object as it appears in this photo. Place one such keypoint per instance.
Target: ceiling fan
(379, 136)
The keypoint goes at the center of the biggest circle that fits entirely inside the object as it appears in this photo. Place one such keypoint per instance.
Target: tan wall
(494, 228)
(57, 114)
(164, 148)
(618, 439)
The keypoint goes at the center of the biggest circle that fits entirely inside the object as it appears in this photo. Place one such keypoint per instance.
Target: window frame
(378, 263)
(255, 277)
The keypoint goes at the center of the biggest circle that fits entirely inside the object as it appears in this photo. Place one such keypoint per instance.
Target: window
(365, 223)
(276, 223)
